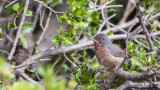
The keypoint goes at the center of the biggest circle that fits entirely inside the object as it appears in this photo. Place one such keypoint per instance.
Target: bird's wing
(116, 51)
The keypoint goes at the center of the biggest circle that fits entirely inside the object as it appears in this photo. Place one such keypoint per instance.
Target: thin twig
(41, 2)
(36, 17)
(4, 51)
(45, 28)
(104, 22)
(59, 68)
(11, 3)
(19, 31)
(126, 56)
(139, 15)
(105, 7)
(54, 64)
(70, 60)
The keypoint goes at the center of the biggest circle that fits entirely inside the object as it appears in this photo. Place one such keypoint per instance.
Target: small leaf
(24, 41)
(56, 40)
(29, 13)
(55, 2)
(11, 25)
(16, 7)
(38, 49)
(62, 18)
(14, 63)
(21, 7)
(32, 71)
(27, 27)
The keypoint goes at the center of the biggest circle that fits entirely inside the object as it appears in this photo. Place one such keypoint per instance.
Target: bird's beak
(93, 39)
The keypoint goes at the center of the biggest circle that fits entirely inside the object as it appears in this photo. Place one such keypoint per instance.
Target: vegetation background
(44, 44)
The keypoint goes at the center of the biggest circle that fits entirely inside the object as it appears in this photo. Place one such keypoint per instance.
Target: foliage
(140, 60)
(79, 18)
(84, 75)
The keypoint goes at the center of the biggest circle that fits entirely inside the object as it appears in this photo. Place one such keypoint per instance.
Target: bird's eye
(99, 39)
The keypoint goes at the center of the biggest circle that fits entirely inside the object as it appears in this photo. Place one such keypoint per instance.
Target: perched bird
(107, 53)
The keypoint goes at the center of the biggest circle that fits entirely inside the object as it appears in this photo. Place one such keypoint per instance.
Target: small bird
(107, 53)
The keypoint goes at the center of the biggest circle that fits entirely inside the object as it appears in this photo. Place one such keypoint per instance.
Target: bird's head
(102, 39)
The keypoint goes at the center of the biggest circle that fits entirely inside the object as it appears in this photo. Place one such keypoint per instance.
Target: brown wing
(118, 53)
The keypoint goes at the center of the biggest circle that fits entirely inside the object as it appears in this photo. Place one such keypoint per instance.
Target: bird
(108, 54)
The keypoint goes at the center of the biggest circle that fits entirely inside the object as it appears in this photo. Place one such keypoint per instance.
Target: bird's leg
(115, 68)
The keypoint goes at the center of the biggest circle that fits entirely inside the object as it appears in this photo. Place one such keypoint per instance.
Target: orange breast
(105, 57)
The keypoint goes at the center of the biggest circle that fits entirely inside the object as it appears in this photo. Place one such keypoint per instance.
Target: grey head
(102, 39)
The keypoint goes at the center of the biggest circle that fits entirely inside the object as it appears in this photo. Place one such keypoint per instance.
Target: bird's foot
(115, 69)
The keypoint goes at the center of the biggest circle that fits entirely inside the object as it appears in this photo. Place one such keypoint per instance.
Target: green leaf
(56, 40)
(84, 75)
(80, 3)
(27, 27)
(21, 7)
(66, 37)
(73, 31)
(14, 63)
(16, 7)
(111, 10)
(2, 63)
(93, 17)
(62, 18)
(80, 12)
(55, 2)
(24, 41)
(29, 13)
(80, 25)
(91, 5)
(38, 49)
(142, 56)
(137, 62)
(32, 71)
(153, 59)
(11, 25)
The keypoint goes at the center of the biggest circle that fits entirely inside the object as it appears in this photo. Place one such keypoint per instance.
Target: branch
(41, 2)
(70, 61)
(134, 76)
(19, 31)
(130, 84)
(52, 52)
(11, 3)
(109, 81)
(139, 15)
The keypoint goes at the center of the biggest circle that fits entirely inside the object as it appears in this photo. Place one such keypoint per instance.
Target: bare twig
(70, 60)
(59, 68)
(105, 7)
(19, 31)
(142, 44)
(139, 15)
(3, 51)
(127, 13)
(59, 58)
(126, 54)
(45, 28)
(11, 3)
(36, 17)
(41, 2)
(104, 22)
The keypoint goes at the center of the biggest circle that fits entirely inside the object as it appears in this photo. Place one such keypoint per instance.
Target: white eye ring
(99, 39)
